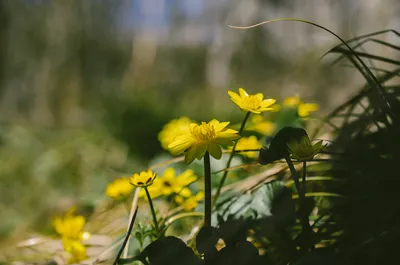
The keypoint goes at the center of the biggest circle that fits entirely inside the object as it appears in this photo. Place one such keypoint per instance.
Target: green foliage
(263, 203)
(75, 165)
(345, 207)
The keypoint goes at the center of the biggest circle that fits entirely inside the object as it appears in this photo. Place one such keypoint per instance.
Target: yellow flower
(155, 190)
(202, 138)
(76, 249)
(303, 149)
(187, 200)
(254, 103)
(258, 124)
(303, 109)
(169, 183)
(70, 226)
(246, 143)
(292, 101)
(119, 188)
(144, 179)
(173, 129)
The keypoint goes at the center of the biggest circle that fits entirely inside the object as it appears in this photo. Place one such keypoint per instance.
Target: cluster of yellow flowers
(165, 185)
(248, 143)
(119, 189)
(169, 183)
(187, 200)
(183, 136)
(173, 129)
(70, 228)
(303, 109)
(261, 126)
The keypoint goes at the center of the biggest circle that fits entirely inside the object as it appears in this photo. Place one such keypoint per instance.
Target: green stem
(207, 190)
(152, 209)
(309, 229)
(303, 183)
(128, 233)
(228, 163)
(305, 223)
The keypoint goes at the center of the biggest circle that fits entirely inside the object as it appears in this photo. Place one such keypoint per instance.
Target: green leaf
(278, 147)
(169, 250)
(273, 199)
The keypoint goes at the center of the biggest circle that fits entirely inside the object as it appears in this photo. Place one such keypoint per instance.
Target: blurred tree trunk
(9, 93)
(226, 41)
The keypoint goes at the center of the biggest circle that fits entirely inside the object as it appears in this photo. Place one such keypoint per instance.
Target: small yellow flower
(173, 129)
(70, 226)
(187, 200)
(76, 249)
(246, 143)
(144, 179)
(169, 183)
(155, 190)
(303, 109)
(291, 101)
(202, 138)
(254, 103)
(119, 188)
(303, 149)
(258, 124)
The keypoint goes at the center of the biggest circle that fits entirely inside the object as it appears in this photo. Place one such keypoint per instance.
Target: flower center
(252, 102)
(167, 183)
(204, 132)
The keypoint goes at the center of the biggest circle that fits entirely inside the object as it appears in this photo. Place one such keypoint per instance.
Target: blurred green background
(85, 86)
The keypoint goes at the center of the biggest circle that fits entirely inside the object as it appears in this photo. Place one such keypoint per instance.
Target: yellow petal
(193, 126)
(185, 192)
(220, 126)
(234, 95)
(179, 199)
(177, 148)
(214, 122)
(259, 96)
(238, 102)
(169, 173)
(199, 196)
(186, 177)
(267, 102)
(243, 93)
(254, 111)
(305, 109)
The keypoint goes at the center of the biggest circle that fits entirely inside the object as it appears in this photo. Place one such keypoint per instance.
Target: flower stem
(207, 190)
(303, 184)
(303, 188)
(132, 212)
(305, 223)
(128, 233)
(228, 163)
(152, 210)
